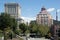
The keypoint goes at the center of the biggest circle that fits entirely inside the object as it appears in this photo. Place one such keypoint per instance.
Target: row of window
(43, 15)
(44, 21)
(12, 10)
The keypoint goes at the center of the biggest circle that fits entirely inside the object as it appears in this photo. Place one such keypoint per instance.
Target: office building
(44, 17)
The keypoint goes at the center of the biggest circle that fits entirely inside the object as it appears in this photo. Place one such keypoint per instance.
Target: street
(35, 38)
(38, 39)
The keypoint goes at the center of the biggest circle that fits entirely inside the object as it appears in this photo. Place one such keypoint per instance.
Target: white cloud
(28, 19)
(53, 9)
(58, 10)
(50, 9)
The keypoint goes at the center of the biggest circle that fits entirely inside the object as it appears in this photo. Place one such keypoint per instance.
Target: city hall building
(14, 10)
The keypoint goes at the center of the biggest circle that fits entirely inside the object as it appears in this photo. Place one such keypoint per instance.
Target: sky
(30, 8)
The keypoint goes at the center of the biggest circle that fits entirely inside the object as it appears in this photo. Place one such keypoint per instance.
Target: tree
(42, 30)
(6, 21)
(24, 28)
(33, 28)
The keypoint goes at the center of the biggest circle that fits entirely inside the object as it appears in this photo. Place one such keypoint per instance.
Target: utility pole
(56, 15)
(56, 27)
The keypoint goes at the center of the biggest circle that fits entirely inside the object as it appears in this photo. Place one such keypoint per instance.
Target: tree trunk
(5, 35)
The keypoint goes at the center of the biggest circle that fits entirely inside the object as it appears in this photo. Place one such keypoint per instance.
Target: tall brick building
(44, 17)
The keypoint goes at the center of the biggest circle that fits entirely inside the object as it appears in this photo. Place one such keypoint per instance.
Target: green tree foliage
(43, 30)
(33, 28)
(27, 31)
(24, 28)
(18, 31)
(39, 29)
(6, 21)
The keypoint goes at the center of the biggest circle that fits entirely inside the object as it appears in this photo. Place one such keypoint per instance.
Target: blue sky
(30, 8)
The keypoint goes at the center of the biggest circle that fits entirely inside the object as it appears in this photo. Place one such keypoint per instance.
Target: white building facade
(14, 10)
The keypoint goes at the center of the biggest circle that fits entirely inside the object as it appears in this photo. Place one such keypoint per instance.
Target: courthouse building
(44, 17)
